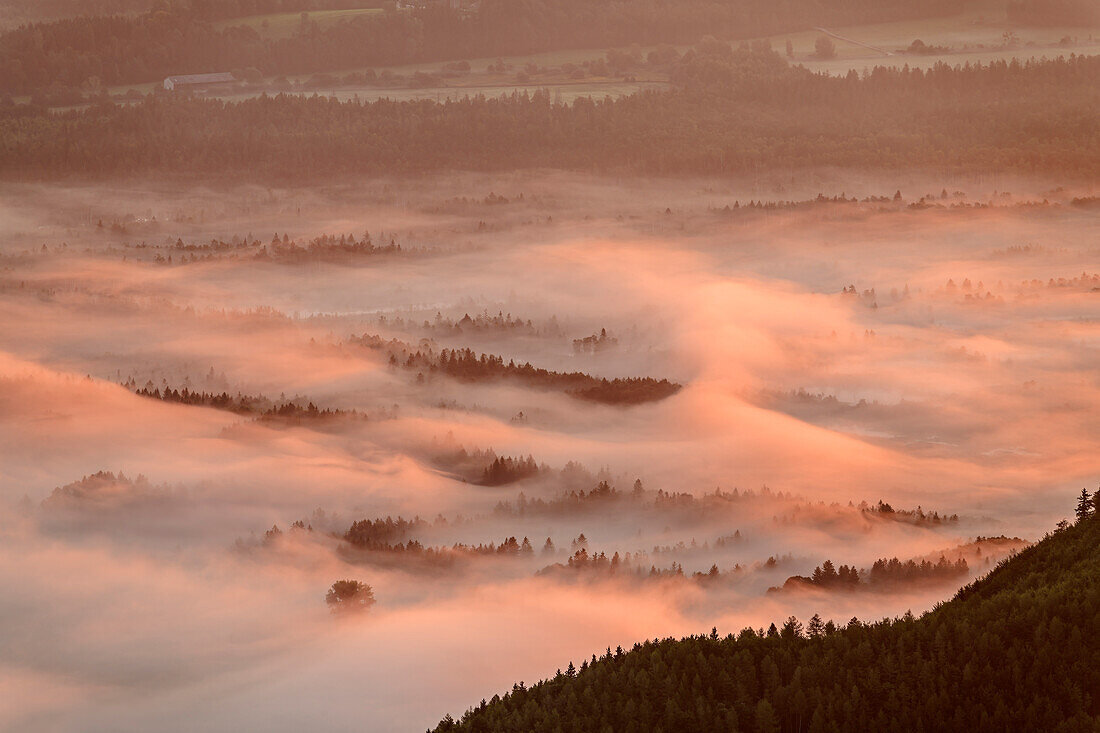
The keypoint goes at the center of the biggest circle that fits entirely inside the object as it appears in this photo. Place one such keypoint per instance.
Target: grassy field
(283, 25)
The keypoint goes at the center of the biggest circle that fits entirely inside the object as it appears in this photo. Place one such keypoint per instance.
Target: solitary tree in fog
(349, 595)
(824, 48)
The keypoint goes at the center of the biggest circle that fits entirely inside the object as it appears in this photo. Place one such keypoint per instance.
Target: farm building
(197, 82)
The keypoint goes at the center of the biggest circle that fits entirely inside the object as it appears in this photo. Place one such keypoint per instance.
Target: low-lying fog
(956, 382)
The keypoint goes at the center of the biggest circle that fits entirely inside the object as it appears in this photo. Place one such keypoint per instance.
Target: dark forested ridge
(730, 113)
(177, 38)
(1017, 650)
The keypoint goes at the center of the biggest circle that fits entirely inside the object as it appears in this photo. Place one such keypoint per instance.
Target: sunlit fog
(320, 412)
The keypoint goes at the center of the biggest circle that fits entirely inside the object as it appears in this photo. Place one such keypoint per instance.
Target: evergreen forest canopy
(1015, 650)
(731, 111)
(178, 38)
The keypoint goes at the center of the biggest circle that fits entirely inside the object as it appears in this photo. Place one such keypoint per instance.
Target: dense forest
(87, 52)
(733, 111)
(1016, 650)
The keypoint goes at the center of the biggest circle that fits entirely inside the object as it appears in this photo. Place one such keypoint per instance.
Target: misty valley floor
(540, 414)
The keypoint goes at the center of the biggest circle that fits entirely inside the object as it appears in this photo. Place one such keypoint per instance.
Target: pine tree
(1084, 506)
(816, 627)
(766, 719)
(792, 628)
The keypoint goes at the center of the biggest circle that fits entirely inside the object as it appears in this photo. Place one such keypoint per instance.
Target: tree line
(412, 554)
(466, 365)
(345, 249)
(507, 470)
(479, 323)
(883, 573)
(598, 566)
(261, 407)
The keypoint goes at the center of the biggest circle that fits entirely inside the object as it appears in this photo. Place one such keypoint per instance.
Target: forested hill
(176, 37)
(1016, 651)
(733, 111)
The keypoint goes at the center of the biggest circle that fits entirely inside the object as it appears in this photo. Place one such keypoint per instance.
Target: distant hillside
(1016, 651)
(733, 111)
(90, 52)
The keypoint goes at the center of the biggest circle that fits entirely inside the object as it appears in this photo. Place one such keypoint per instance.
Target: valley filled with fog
(540, 414)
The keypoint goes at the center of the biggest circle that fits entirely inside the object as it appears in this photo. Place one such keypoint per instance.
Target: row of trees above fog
(175, 39)
(734, 110)
(467, 366)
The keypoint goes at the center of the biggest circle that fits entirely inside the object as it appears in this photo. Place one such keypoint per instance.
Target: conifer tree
(1084, 506)
(816, 627)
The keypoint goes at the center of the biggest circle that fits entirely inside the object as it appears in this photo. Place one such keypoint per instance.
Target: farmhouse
(198, 82)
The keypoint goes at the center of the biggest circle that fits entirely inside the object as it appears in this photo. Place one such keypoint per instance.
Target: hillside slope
(1017, 650)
